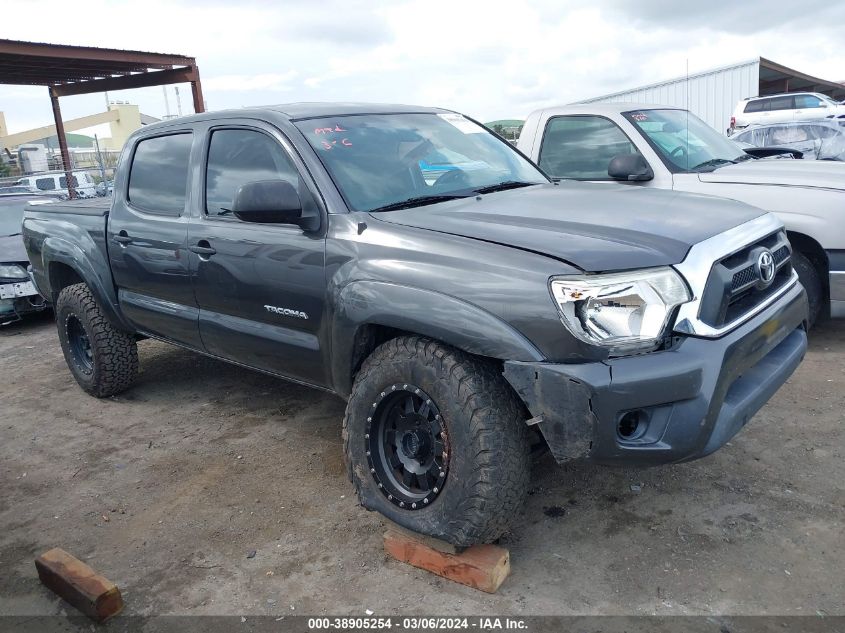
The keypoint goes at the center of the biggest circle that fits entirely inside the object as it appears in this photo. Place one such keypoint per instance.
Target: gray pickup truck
(418, 266)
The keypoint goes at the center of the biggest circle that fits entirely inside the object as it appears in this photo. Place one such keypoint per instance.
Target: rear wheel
(436, 441)
(809, 276)
(102, 359)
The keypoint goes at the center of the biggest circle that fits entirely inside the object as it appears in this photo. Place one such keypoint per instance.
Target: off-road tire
(489, 463)
(113, 353)
(808, 274)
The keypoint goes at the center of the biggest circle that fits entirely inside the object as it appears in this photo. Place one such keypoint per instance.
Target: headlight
(623, 312)
(13, 271)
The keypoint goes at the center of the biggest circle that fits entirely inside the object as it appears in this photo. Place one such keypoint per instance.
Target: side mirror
(270, 201)
(630, 167)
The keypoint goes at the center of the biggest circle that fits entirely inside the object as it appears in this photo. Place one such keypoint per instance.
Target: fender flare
(57, 250)
(445, 318)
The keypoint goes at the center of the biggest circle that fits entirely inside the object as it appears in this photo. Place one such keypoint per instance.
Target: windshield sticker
(639, 116)
(462, 123)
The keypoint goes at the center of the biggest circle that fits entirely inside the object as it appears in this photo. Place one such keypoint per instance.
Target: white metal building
(713, 94)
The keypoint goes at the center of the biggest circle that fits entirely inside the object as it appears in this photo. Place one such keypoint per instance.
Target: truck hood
(12, 250)
(817, 174)
(595, 227)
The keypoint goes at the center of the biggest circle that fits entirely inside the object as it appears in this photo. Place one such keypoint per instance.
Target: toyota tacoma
(464, 314)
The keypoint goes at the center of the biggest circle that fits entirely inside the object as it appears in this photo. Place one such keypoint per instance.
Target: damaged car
(18, 295)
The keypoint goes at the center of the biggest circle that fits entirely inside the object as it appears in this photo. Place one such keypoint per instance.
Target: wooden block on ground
(430, 541)
(70, 578)
(483, 567)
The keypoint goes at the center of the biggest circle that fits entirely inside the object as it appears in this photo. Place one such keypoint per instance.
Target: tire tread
(495, 418)
(115, 351)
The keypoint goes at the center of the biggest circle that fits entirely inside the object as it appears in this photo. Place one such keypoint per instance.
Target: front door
(260, 287)
(147, 240)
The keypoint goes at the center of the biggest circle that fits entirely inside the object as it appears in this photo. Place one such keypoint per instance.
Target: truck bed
(86, 206)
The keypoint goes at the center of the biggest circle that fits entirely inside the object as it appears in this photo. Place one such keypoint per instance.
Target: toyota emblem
(766, 267)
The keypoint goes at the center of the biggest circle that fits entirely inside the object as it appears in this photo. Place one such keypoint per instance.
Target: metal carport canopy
(76, 70)
(776, 78)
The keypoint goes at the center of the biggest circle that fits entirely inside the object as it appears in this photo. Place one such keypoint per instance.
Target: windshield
(384, 161)
(685, 142)
(11, 214)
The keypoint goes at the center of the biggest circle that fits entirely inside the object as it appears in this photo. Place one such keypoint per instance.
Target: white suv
(796, 106)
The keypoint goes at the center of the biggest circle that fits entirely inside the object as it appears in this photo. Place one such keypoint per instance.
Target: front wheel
(102, 359)
(809, 277)
(436, 441)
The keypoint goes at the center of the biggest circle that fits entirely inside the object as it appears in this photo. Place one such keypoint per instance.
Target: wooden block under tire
(482, 567)
(71, 579)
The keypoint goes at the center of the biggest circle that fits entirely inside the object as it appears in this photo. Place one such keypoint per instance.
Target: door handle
(122, 238)
(202, 248)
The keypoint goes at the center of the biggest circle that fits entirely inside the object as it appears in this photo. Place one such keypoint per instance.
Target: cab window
(158, 178)
(581, 147)
(239, 156)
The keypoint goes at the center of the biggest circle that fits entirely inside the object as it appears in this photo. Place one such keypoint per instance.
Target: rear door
(780, 109)
(147, 238)
(260, 287)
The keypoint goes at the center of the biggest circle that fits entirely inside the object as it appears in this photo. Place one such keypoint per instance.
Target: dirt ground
(207, 489)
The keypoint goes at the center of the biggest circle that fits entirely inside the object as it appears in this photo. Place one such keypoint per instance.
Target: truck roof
(604, 108)
(304, 110)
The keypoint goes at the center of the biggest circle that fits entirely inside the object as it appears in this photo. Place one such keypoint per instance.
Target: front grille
(743, 277)
(735, 287)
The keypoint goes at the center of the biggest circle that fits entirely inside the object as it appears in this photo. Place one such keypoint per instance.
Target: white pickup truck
(669, 148)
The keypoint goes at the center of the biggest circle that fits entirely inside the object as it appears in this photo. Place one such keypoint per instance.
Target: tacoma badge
(287, 312)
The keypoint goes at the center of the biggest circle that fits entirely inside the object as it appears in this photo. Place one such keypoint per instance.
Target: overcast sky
(488, 62)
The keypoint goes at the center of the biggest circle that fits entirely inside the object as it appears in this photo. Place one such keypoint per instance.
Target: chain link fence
(45, 173)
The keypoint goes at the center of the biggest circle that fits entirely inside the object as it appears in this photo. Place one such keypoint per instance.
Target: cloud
(489, 59)
(272, 82)
(745, 17)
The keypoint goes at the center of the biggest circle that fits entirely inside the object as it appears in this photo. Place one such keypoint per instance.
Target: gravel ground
(207, 489)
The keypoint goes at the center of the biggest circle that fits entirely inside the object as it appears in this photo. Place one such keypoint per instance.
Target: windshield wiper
(502, 186)
(714, 162)
(12, 234)
(420, 201)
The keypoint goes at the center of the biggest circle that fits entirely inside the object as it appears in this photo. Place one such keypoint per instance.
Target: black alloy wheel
(407, 446)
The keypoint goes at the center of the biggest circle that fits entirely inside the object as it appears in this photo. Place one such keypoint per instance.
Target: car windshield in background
(392, 161)
(821, 140)
(11, 215)
(685, 142)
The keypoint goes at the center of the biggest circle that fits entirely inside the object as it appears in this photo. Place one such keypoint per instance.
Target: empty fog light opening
(632, 425)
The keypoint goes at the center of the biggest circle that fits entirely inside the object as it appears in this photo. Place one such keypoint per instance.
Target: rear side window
(158, 178)
(581, 147)
(63, 181)
(759, 105)
(782, 103)
(239, 156)
(45, 184)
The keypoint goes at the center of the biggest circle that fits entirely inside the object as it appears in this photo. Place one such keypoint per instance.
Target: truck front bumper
(670, 406)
